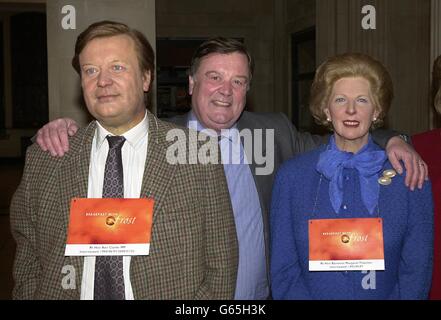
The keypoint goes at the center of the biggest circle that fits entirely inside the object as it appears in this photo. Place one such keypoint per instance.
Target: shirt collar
(232, 133)
(133, 137)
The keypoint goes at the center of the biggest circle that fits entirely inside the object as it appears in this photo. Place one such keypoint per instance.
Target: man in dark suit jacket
(220, 76)
(193, 246)
(287, 142)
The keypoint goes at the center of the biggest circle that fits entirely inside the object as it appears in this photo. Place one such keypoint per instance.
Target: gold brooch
(386, 179)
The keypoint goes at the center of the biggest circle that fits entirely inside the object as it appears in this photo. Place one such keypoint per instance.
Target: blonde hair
(106, 28)
(351, 65)
(436, 84)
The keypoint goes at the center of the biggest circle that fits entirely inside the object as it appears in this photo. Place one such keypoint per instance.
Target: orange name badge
(109, 227)
(346, 244)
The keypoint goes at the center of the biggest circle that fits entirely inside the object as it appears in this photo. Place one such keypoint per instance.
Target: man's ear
(190, 85)
(146, 79)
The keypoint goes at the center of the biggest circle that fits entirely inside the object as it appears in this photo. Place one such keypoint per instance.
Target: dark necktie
(109, 279)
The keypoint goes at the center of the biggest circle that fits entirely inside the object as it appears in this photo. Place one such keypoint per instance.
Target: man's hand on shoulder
(416, 169)
(53, 136)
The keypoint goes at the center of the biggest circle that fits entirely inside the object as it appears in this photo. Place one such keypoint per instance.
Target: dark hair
(436, 84)
(223, 46)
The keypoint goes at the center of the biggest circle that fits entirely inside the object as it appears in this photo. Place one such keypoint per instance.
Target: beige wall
(401, 41)
(64, 89)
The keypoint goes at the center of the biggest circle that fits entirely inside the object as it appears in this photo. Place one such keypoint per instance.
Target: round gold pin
(345, 238)
(110, 221)
(389, 173)
(385, 181)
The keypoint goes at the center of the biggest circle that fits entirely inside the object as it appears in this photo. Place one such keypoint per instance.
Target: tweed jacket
(193, 249)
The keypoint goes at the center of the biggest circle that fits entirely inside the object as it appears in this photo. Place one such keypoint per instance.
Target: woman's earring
(328, 119)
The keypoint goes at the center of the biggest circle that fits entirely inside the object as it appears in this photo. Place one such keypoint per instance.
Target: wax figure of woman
(349, 178)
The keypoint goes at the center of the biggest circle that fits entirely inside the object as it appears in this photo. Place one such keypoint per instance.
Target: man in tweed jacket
(193, 248)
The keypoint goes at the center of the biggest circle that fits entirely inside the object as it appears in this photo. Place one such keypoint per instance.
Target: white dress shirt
(134, 152)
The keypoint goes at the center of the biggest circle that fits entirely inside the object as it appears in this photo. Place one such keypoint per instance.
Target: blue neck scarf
(368, 161)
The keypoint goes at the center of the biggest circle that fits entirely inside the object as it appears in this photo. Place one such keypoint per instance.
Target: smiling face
(113, 84)
(219, 88)
(351, 110)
